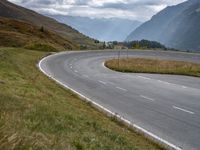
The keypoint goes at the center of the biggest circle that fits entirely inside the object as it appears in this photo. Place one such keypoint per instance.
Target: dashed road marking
(102, 82)
(147, 98)
(121, 88)
(164, 82)
(184, 110)
(144, 78)
(184, 87)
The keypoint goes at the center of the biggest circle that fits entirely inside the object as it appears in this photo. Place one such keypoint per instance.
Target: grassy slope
(21, 34)
(12, 11)
(37, 113)
(142, 65)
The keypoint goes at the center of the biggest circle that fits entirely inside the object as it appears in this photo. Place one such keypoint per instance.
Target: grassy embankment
(39, 114)
(144, 65)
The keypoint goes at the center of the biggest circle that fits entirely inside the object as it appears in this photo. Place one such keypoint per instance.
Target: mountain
(16, 33)
(13, 12)
(175, 26)
(113, 29)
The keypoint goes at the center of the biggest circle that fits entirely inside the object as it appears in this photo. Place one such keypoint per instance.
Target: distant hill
(11, 11)
(113, 29)
(176, 26)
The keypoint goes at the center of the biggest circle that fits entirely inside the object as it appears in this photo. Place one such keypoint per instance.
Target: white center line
(71, 67)
(184, 87)
(178, 108)
(102, 82)
(147, 98)
(121, 88)
(164, 82)
(143, 77)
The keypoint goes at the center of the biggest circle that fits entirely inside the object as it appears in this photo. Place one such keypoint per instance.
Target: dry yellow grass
(144, 65)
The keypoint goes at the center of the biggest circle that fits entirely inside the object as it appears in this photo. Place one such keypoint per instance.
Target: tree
(42, 29)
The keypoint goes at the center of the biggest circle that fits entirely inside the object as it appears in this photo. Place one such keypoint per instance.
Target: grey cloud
(132, 9)
(82, 2)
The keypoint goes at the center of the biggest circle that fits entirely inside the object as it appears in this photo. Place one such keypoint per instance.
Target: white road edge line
(151, 99)
(184, 110)
(103, 64)
(142, 130)
(102, 82)
(121, 88)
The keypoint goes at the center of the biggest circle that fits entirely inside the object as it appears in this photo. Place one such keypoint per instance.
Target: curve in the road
(165, 107)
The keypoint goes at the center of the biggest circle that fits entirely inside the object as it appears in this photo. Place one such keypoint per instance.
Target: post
(127, 54)
(118, 58)
(127, 59)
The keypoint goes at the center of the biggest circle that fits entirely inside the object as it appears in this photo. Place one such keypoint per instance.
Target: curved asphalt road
(165, 105)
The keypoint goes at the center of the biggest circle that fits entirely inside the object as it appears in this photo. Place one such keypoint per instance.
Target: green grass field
(144, 65)
(36, 113)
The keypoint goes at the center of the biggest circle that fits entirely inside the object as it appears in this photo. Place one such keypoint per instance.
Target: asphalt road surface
(165, 105)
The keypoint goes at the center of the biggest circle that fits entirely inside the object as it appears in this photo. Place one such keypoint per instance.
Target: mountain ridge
(12, 11)
(163, 27)
(100, 28)
(17, 33)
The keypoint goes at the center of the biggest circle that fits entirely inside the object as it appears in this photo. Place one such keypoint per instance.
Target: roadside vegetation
(144, 44)
(139, 45)
(36, 113)
(144, 65)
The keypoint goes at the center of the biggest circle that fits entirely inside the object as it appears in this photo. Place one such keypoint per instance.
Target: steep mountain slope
(186, 33)
(13, 11)
(176, 26)
(113, 29)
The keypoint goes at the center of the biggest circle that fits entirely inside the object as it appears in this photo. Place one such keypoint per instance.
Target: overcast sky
(141, 10)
